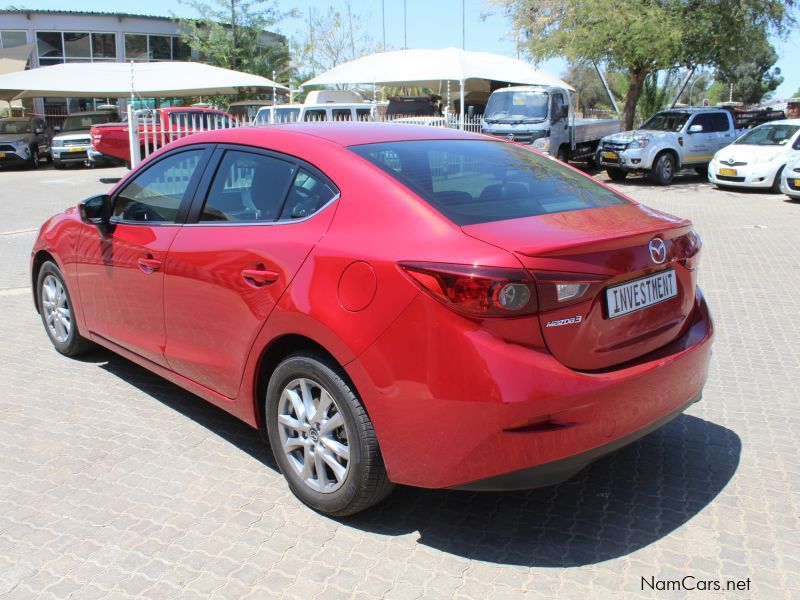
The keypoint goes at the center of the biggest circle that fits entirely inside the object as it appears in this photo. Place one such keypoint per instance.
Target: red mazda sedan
(388, 304)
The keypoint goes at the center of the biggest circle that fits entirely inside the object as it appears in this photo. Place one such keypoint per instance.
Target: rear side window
(307, 195)
(479, 181)
(342, 114)
(315, 115)
(248, 187)
(720, 122)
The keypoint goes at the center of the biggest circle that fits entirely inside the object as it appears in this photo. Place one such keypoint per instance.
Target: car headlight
(542, 144)
(58, 143)
(639, 143)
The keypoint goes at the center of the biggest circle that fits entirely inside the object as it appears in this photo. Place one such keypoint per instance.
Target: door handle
(148, 264)
(259, 277)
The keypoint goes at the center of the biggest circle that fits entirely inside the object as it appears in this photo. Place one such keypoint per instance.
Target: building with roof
(59, 36)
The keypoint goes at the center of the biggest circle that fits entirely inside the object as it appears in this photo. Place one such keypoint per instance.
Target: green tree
(591, 92)
(643, 37)
(754, 78)
(331, 38)
(233, 34)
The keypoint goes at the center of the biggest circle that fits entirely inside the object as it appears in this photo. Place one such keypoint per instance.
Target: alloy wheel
(313, 435)
(57, 312)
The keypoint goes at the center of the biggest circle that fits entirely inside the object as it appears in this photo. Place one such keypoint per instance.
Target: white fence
(148, 133)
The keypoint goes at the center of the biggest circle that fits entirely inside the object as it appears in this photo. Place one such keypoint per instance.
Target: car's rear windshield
(479, 181)
(85, 122)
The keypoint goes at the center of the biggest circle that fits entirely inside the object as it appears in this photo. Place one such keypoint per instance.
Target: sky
(429, 24)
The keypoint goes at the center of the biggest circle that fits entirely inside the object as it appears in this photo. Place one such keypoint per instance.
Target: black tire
(616, 174)
(365, 482)
(562, 155)
(663, 170)
(74, 344)
(776, 183)
(33, 161)
(702, 171)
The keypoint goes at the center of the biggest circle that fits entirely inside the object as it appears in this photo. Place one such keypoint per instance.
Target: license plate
(2, 154)
(641, 293)
(795, 182)
(74, 149)
(610, 155)
(728, 172)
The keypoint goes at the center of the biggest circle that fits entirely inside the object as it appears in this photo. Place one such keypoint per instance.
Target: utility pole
(463, 26)
(383, 20)
(405, 28)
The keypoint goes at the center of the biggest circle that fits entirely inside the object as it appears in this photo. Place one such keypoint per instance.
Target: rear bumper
(456, 407)
(561, 470)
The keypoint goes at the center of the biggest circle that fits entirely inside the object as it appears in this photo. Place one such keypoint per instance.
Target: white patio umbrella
(116, 80)
(429, 68)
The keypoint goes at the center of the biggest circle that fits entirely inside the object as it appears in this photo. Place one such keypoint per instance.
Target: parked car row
(706, 139)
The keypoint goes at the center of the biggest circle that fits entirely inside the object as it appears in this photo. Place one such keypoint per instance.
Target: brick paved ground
(114, 483)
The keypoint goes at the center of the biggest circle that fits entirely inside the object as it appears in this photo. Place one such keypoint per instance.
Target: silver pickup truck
(668, 141)
(541, 115)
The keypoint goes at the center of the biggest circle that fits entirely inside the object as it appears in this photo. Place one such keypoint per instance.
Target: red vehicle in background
(157, 128)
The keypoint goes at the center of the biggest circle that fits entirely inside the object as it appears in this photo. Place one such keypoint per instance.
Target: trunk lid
(602, 247)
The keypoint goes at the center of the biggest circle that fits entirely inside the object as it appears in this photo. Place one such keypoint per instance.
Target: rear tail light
(557, 290)
(477, 291)
(691, 244)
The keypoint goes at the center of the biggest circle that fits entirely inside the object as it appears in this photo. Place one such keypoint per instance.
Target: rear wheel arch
(274, 353)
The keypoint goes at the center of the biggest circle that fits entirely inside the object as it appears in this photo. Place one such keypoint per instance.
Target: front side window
(248, 187)
(769, 135)
(666, 121)
(156, 194)
(479, 181)
(705, 122)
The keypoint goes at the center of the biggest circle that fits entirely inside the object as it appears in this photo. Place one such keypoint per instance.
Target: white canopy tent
(430, 68)
(117, 80)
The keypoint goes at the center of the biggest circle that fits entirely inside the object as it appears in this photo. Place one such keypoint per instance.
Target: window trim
(64, 58)
(204, 187)
(188, 197)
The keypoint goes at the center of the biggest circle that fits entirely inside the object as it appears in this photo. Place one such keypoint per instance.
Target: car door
(559, 123)
(700, 145)
(121, 274)
(256, 218)
(724, 127)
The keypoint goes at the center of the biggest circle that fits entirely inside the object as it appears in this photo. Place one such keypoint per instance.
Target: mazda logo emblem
(658, 250)
(510, 137)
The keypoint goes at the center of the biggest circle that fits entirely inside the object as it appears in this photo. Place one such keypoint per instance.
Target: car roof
(340, 134)
(17, 118)
(781, 122)
(694, 109)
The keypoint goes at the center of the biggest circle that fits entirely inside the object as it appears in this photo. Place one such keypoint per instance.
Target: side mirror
(696, 129)
(39, 131)
(96, 210)
(57, 129)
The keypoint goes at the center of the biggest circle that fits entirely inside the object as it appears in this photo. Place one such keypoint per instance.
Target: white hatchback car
(790, 179)
(758, 158)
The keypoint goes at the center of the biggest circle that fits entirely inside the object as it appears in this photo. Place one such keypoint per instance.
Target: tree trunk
(637, 77)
